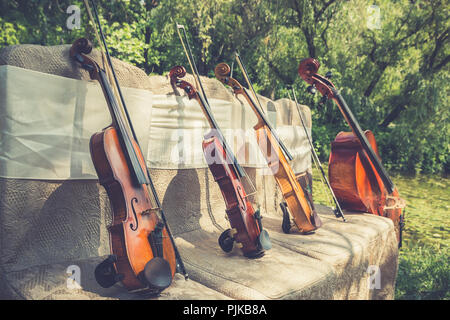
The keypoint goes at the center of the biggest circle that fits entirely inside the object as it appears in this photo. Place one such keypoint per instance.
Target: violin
(356, 173)
(275, 152)
(143, 254)
(246, 226)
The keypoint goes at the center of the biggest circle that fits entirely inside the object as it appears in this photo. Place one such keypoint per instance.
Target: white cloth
(46, 122)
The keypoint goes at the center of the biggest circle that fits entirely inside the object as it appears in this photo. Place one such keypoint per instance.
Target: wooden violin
(356, 173)
(275, 152)
(246, 226)
(143, 254)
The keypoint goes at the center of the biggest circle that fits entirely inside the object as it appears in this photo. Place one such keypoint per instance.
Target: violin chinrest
(157, 273)
(106, 274)
(226, 241)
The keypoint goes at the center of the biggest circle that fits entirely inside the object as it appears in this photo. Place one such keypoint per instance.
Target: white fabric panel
(181, 125)
(46, 122)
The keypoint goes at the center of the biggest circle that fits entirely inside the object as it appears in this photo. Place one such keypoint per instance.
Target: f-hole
(134, 228)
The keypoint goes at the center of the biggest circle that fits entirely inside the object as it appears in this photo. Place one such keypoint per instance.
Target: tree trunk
(374, 81)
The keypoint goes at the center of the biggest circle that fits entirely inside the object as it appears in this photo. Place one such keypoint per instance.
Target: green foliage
(423, 274)
(9, 33)
(394, 78)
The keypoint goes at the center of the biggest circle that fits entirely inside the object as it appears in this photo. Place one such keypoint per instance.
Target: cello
(246, 225)
(356, 173)
(143, 254)
(275, 152)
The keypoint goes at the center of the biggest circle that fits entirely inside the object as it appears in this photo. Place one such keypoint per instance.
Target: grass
(424, 271)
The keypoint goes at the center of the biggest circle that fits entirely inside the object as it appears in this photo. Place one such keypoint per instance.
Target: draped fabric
(46, 122)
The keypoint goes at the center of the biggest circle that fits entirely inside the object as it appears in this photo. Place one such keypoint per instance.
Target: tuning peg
(328, 75)
(312, 89)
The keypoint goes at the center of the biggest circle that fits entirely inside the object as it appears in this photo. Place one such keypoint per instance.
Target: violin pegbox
(175, 74)
(78, 52)
(308, 71)
(222, 72)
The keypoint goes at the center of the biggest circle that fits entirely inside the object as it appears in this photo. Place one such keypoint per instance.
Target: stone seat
(49, 282)
(330, 264)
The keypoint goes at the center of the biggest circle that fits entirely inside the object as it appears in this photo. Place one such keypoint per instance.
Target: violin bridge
(149, 211)
(399, 203)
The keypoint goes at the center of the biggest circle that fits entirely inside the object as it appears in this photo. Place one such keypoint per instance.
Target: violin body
(133, 221)
(305, 218)
(244, 221)
(354, 179)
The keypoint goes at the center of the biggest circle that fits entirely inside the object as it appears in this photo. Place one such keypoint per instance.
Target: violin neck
(262, 118)
(353, 123)
(207, 112)
(123, 126)
(218, 133)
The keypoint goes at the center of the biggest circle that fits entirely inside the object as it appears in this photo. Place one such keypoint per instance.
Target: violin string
(249, 181)
(283, 147)
(107, 68)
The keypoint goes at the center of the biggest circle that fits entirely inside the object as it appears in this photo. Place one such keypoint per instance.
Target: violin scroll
(308, 67)
(222, 71)
(308, 71)
(81, 45)
(78, 52)
(179, 72)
